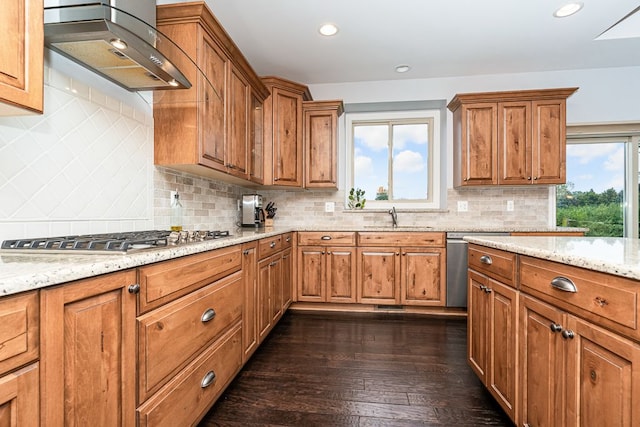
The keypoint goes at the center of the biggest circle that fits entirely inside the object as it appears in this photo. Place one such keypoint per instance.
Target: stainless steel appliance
(252, 212)
(116, 39)
(126, 242)
(457, 266)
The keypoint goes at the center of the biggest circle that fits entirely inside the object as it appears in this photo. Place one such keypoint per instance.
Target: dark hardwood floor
(358, 370)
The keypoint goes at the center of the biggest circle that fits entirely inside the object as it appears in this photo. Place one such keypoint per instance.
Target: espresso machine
(252, 212)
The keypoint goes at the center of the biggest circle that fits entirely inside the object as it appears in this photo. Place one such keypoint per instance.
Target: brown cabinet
(19, 384)
(22, 57)
(401, 268)
(283, 144)
(250, 308)
(88, 358)
(492, 338)
(321, 143)
(510, 138)
(206, 129)
(327, 267)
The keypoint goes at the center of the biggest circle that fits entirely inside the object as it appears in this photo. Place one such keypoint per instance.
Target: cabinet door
(423, 277)
(238, 133)
(502, 378)
(541, 363)
(603, 377)
(549, 143)
(22, 56)
(341, 274)
(477, 325)
(378, 275)
(311, 274)
(321, 148)
(275, 282)
(250, 308)
(256, 140)
(211, 111)
(287, 279)
(287, 138)
(89, 361)
(19, 399)
(479, 148)
(264, 298)
(514, 142)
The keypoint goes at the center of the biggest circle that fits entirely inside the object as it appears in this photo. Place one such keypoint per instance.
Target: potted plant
(356, 199)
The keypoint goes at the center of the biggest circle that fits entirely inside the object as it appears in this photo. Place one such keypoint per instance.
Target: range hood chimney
(116, 39)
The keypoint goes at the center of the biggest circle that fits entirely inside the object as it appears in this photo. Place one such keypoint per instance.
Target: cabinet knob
(272, 245)
(208, 379)
(397, 253)
(567, 334)
(208, 315)
(555, 327)
(487, 290)
(246, 252)
(288, 239)
(528, 178)
(535, 178)
(134, 289)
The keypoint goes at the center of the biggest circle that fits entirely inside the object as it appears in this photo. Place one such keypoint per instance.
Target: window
(395, 158)
(601, 192)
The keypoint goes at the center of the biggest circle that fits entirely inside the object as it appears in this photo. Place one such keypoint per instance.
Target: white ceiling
(437, 38)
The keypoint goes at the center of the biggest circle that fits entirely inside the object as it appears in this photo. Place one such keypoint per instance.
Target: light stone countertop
(613, 255)
(26, 271)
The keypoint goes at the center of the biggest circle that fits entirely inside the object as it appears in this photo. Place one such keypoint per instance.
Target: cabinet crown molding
(507, 96)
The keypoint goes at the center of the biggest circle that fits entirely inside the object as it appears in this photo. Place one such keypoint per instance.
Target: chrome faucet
(394, 216)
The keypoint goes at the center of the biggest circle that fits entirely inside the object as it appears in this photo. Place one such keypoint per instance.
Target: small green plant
(356, 199)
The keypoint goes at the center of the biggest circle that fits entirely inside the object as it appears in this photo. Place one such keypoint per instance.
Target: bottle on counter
(176, 213)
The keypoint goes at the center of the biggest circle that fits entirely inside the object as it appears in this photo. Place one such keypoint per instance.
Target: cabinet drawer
(287, 240)
(19, 330)
(327, 238)
(20, 397)
(604, 299)
(269, 246)
(494, 263)
(166, 281)
(187, 397)
(401, 238)
(173, 334)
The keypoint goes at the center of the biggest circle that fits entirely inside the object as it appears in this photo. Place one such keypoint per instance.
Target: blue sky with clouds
(596, 166)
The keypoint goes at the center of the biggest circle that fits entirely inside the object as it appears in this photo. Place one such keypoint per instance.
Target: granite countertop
(22, 272)
(613, 255)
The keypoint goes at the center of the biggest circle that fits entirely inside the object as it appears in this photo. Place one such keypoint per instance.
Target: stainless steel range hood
(116, 39)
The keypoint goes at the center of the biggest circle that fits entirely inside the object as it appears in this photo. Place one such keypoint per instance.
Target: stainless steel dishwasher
(457, 266)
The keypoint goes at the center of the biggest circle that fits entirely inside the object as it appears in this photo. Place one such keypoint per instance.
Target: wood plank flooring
(358, 370)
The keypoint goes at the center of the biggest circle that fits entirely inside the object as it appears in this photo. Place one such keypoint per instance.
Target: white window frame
(435, 158)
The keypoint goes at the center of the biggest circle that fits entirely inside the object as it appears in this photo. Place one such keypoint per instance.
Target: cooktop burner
(111, 242)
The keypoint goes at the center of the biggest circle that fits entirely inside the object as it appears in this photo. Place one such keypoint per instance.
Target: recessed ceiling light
(568, 10)
(402, 68)
(328, 30)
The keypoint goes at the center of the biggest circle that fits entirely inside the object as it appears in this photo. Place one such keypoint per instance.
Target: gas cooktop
(110, 242)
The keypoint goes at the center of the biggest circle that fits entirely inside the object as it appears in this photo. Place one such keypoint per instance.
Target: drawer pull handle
(272, 264)
(208, 315)
(555, 327)
(272, 245)
(325, 238)
(563, 284)
(246, 252)
(134, 289)
(601, 301)
(567, 335)
(288, 239)
(208, 379)
(486, 259)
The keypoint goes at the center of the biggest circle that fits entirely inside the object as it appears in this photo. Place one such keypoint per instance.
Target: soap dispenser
(176, 212)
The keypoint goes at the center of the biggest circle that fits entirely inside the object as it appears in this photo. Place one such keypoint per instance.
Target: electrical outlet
(172, 195)
(463, 206)
(329, 206)
(509, 205)
(239, 205)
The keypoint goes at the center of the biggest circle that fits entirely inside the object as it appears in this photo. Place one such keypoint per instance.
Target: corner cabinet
(206, 130)
(282, 154)
(510, 138)
(22, 57)
(321, 143)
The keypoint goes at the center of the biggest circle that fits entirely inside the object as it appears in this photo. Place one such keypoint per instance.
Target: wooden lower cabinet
(191, 393)
(249, 309)
(575, 373)
(19, 398)
(378, 275)
(327, 274)
(88, 352)
(492, 338)
(274, 290)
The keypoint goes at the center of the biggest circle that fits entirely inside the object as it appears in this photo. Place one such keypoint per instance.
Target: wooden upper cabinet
(321, 143)
(206, 130)
(283, 145)
(510, 138)
(22, 57)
